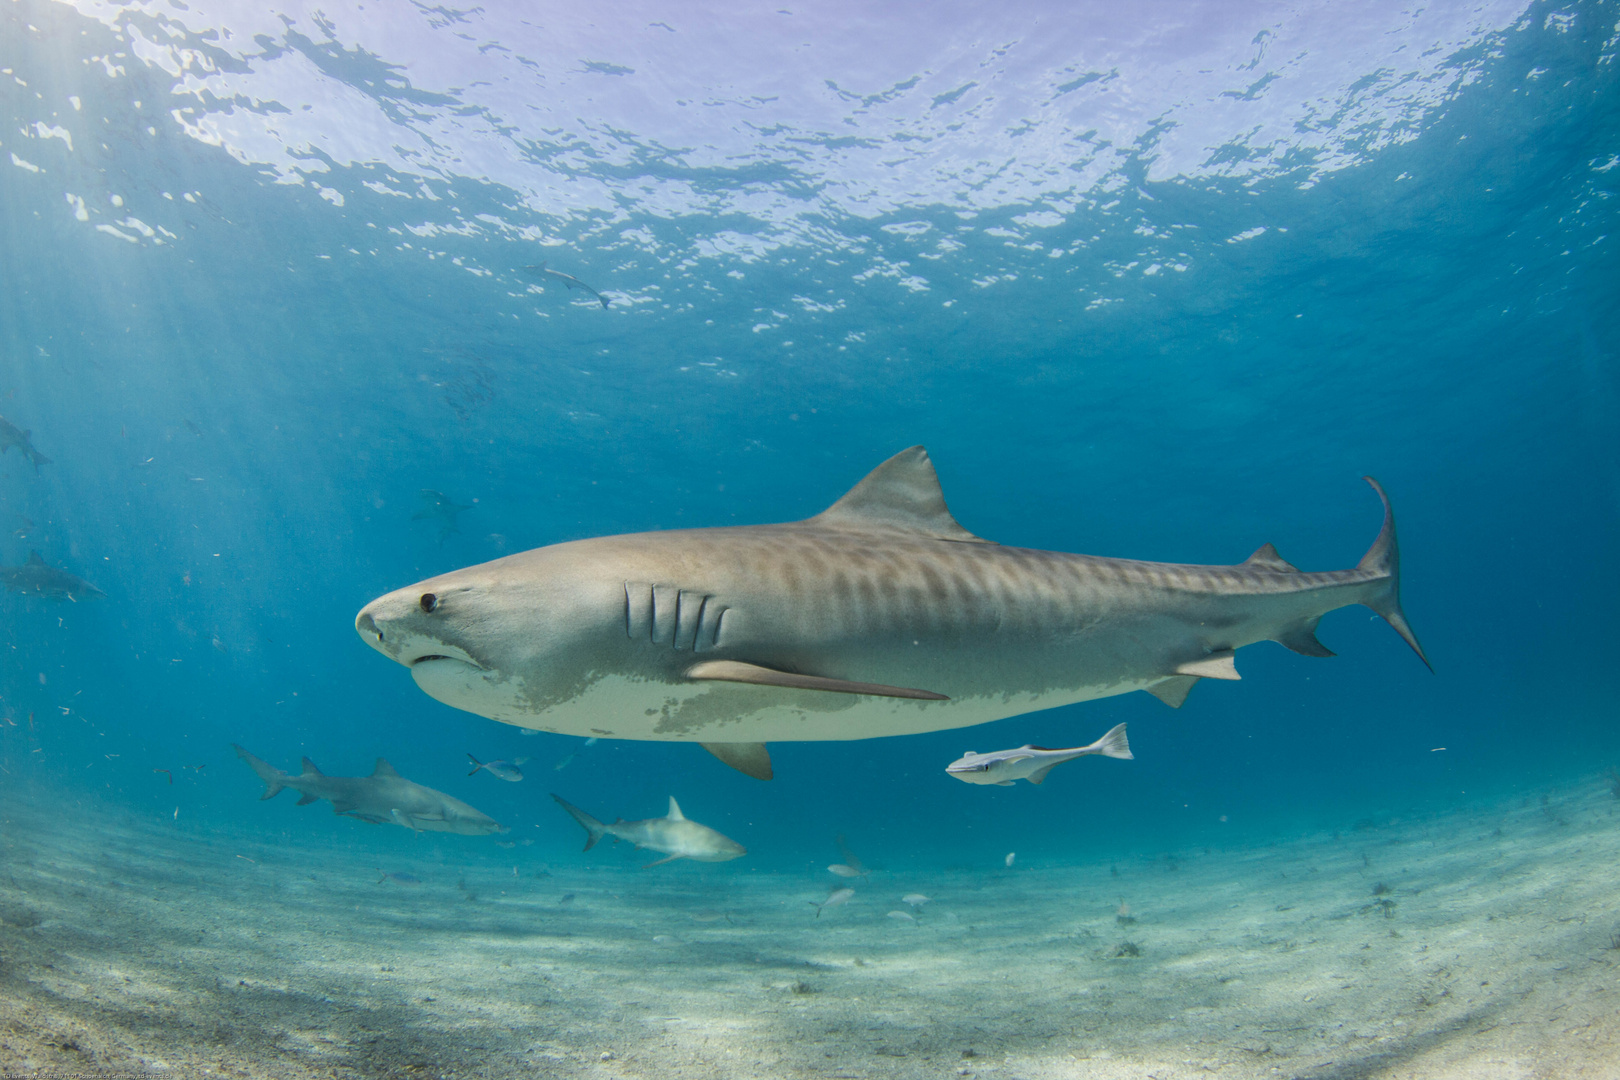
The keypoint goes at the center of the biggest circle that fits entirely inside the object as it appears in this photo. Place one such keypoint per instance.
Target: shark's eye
(429, 602)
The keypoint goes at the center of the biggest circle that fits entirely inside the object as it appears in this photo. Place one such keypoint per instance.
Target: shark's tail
(274, 779)
(1384, 558)
(1115, 745)
(594, 830)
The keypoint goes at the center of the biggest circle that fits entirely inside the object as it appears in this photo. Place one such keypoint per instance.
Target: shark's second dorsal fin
(384, 769)
(311, 769)
(675, 810)
(902, 494)
(34, 558)
(1268, 559)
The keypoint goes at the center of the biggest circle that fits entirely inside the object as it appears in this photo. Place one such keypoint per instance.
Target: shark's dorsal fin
(34, 558)
(675, 810)
(1268, 559)
(384, 769)
(311, 769)
(901, 495)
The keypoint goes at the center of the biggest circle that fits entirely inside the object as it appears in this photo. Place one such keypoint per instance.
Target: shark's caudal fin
(1115, 745)
(594, 830)
(1384, 557)
(274, 779)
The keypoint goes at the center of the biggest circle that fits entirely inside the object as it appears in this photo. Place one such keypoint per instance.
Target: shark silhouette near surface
(36, 578)
(11, 435)
(381, 798)
(880, 616)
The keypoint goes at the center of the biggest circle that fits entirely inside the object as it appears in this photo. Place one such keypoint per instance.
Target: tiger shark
(879, 616)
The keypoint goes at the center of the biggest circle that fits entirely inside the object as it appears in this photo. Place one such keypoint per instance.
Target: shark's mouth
(455, 681)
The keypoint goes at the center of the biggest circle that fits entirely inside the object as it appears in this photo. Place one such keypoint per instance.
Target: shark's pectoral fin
(307, 798)
(1301, 637)
(1173, 691)
(1217, 665)
(737, 671)
(749, 758)
(661, 862)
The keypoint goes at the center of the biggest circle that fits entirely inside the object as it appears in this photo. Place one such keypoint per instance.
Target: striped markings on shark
(381, 798)
(674, 836)
(879, 616)
(1032, 763)
(37, 578)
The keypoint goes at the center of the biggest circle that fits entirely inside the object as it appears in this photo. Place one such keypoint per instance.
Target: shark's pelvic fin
(1173, 691)
(306, 798)
(1217, 665)
(675, 810)
(749, 758)
(1384, 557)
(385, 769)
(1301, 637)
(737, 671)
(311, 769)
(902, 494)
(1268, 559)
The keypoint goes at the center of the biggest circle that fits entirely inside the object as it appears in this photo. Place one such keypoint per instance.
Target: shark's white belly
(626, 707)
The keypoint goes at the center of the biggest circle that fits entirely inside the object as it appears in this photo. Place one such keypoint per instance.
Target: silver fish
(505, 770)
(835, 898)
(1032, 763)
(880, 616)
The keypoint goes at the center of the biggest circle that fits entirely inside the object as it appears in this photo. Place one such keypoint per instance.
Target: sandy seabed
(1482, 943)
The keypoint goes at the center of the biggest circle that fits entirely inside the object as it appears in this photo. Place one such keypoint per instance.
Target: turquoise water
(1158, 287)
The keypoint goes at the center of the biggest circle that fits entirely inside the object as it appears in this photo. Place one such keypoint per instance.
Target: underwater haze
(306, 303)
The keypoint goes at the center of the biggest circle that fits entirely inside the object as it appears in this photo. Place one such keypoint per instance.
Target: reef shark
(1032, 763)
(879, 616)
(674, 835)
(11, 435)
(384, 796)
(38, 579)
(437, 506)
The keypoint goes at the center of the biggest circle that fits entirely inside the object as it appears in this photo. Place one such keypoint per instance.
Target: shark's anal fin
(1173, 691)
(1301, 637)
(739, 672)
(307, 798)
(748, 758)
(1217, 665)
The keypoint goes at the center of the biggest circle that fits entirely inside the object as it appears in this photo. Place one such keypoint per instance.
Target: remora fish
(11, 435)
(383, 796)
(1032, 763)
(674, 836)
(568, 280)
(38, 579)
(880, 616)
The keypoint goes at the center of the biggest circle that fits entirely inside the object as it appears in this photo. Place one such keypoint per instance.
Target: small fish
(569, 760)
(836, 898)
(915, 899)
(167, 773)
(1011, 856)
(843, 870)
(901, 916)
(851, 860)
(409, 880)
(566, 899)
(568, 280)
(710, 916)
(1032, 763)
(505, 770)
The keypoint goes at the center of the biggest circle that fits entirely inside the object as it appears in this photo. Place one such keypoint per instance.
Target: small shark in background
(36, 579)
(674, 836)
(11, 435)
(506, 770)
(569, 280)
(384, 796)
(436, 506)
(1032, 763)
(569, 760)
